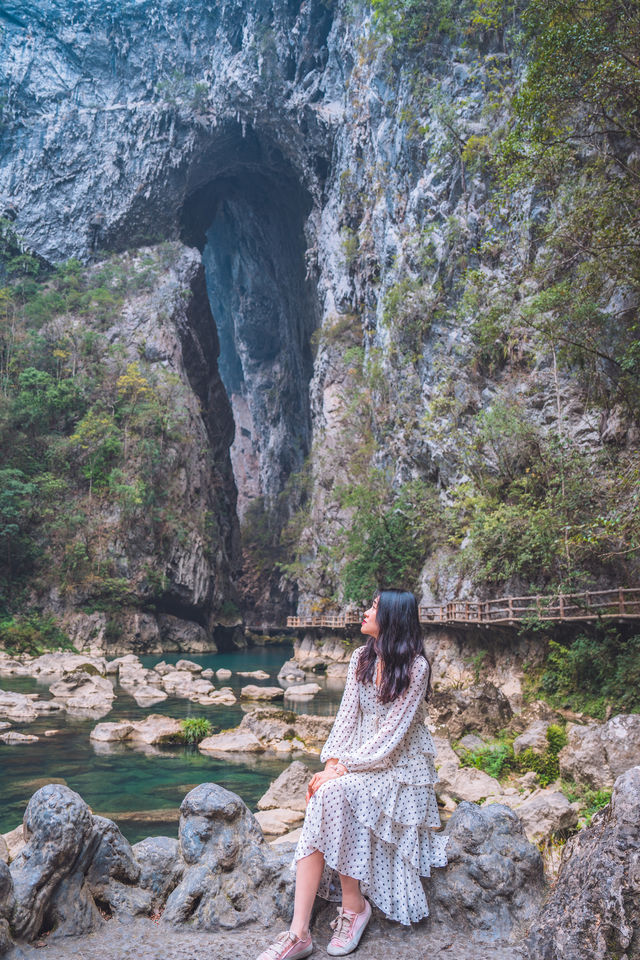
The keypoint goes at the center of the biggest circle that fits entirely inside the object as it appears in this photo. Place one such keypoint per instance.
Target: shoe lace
(275, 949)
(342, 925)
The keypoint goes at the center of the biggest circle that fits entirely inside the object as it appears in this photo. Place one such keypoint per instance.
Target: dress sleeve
(345, 725)
(375, 753)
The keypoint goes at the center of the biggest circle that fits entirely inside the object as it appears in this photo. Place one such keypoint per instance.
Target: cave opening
(247, 215)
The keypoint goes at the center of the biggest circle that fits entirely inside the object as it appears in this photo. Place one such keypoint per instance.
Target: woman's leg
(352, 899)
(308, 876)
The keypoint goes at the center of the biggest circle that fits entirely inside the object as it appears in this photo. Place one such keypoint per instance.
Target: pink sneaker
(349, 928)
(287, 947)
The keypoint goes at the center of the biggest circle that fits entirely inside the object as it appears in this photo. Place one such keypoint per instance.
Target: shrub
(33, 634)
(195, 729)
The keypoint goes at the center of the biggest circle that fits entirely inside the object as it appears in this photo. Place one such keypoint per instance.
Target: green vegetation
(591, 800)
(498, 759)
(32, 634)
(84, 430)
(195, 729)
(599, 669)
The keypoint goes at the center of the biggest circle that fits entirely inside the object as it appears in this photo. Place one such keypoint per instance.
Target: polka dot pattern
(377, 823)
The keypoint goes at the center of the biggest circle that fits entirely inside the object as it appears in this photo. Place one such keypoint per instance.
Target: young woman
(372, 811)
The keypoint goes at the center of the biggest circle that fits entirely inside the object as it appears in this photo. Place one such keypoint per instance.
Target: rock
(79, 691)
(291, 671)
(162, 668)
(471, 742)
(182, 683)
(52, 733)
(252, 692)
(291, 839)
(14, 738)
(111, 732)
(275, 822)
(17, 707)
(285, 730)
(232, 741)
(156, 729)
(289, 789)
(481, 708)
(535, 710)
(543, 813)
(593, 909)
(493, 885)
(114, 870)
(57, 664)
(224, 695)
(533, 738)
(15, 841)
(48, 874)
(232, 876)
(146, 696)
(256, 674)
(444, 752)
(303, 691)
(223, 674)
(6, 907)
(4, 725)
(189, 665)
(316, 655)
(161, 868)
(596, 755)
(4, 853)
(465, 783)
(177, 634)
(207, 674)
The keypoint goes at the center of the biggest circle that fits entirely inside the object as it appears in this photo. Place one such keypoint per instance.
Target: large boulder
(544, 813)
(153, 729)
(534, 738)
(17, 707)
(57, 664)
(84, 694)
(493, 885)
(465, 783)
(49, 873)
(593, 910)
(253, 692)
(597, 754)
(481, 708)
(161, 869)
(6, 907)
(232, 877)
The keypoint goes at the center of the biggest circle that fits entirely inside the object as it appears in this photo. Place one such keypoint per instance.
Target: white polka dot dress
(377, 822)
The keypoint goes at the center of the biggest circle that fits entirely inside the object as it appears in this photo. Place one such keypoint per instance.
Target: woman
(372, 811)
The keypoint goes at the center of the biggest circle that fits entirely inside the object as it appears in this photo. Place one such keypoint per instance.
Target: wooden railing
(621, 604)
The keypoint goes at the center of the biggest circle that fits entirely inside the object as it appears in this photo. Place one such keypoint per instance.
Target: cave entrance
(248, 219)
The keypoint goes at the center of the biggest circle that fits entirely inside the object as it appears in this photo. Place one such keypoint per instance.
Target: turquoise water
(142, 789)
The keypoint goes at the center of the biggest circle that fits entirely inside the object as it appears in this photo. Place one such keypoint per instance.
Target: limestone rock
(161, 868)
(13, 738)
(481, 708)
(275, 822)
(57, 664)
(185, 684)
(599, 753)
(254, 674)
(223, 674)
(465, 783)
(289, 789)
(189, 665)
(543, 813)
(232, 876)
(471, 742)
(113, 870)
(252, 692)
(146, 696)
(593, 909)
(15, 841)
(4, 851)
(493, 885)
(291, 671)
(48, 874)
(80, 692)
(156, 729)
(6, 907)
(111, 732)
(207, 674)
(533, 738)
(17, 707)
(224, 695)
(302, 691)
(232, 741)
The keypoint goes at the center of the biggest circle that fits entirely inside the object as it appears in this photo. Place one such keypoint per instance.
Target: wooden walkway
(620, 604)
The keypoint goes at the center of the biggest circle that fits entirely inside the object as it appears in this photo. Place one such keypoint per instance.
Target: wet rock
(184, 684)
(533, 738)
(597, 754)
(278, 821)
(223, 674)
(207, 674)
(113, 666)
(289, 789)
(465, 783)
(224, 695)
(302, 691)
(48, 874)
(156, 729)
(232, 876)
(146, 696)
(111, 732)
(80, 691)
(17, 707)
(481, 708)
(291, 671)
(13, 738)
(189, 665)
(163, 668)
(493, 885)
(58, 664)
(252, 692)
(593, 909)
(255, 674)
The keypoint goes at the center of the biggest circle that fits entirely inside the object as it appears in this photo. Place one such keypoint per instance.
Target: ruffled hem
(396, 840)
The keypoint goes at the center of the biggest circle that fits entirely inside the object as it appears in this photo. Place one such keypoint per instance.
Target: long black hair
(398, 644)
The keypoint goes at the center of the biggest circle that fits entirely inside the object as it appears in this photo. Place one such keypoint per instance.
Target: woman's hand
(329, 773)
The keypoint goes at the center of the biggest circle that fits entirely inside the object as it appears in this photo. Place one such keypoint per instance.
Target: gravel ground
(147, 940)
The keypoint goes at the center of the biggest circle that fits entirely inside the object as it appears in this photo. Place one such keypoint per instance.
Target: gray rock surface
(593, 910)
(481, 708)
(289, 789)
(597, 754)
(534, 737)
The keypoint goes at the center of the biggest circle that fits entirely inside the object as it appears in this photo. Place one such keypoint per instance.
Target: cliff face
(325, 195)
